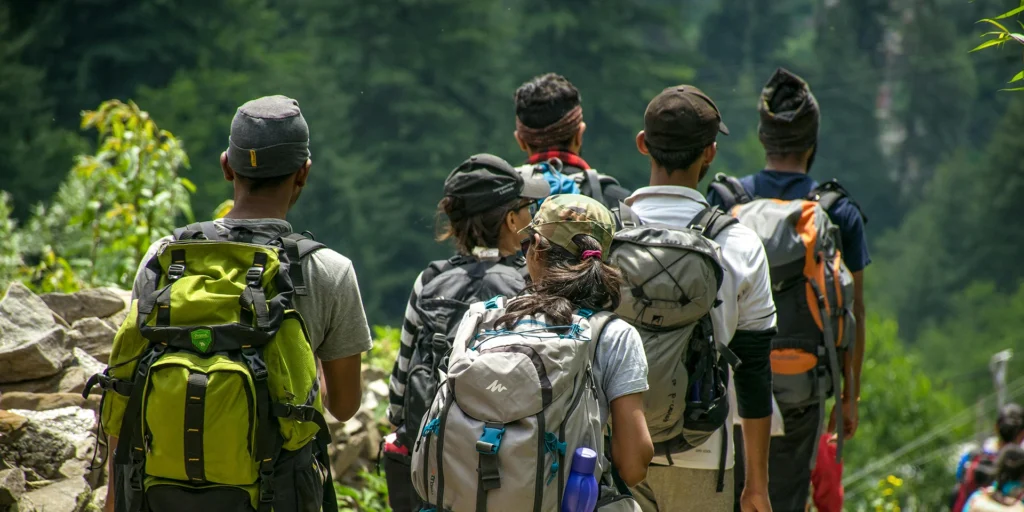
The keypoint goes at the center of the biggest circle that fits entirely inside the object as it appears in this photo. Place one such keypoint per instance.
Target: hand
(850, 418)
(754, 501)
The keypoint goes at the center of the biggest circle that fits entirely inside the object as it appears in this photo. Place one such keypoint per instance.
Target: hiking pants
(673, 489)
(789, 460)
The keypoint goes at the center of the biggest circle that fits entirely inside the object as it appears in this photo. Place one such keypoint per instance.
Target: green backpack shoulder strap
(298, 246)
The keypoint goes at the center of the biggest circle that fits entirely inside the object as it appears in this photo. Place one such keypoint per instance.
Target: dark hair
(482, 229)
(1010, 423)
(257, 184)
(568, 285)
(545, 99)
(1010, 465)
(675, 160)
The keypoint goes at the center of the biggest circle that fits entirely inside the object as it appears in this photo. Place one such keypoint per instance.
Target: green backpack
(212, 385)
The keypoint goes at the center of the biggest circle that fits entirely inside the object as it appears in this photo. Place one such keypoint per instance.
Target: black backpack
(449, 287)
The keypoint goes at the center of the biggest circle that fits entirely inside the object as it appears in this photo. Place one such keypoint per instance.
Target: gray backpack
(513, 407)
(811, 286)
(671, 281)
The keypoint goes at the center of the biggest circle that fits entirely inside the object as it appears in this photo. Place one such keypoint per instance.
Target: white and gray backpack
(513, 407)
(671, 281)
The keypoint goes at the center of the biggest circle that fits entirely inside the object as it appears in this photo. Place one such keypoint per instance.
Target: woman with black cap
(486, 202)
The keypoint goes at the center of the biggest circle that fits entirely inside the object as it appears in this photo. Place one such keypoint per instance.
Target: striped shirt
(400, 373)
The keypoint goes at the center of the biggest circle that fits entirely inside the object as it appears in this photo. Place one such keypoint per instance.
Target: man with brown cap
(268, 162)
(681, 126)
(549, 127)
(788, 130)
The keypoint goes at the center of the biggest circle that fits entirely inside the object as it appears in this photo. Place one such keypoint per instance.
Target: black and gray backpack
(671, 282)
(449, 287)
(590, 182)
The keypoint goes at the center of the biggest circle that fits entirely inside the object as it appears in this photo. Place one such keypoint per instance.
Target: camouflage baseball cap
(564, 216)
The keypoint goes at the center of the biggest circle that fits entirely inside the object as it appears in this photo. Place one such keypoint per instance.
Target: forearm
(756, 437)
(856, 361)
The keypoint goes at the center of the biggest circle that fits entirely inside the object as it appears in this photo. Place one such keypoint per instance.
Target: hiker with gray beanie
(267, 160)
(789, 131)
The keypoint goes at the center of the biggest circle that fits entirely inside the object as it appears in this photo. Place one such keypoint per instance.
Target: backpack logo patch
(496, 387)
(202, 339)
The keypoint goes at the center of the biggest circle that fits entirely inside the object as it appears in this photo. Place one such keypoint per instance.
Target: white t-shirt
(746, 295)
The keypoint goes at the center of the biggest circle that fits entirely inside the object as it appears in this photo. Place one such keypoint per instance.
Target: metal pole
(998, 366)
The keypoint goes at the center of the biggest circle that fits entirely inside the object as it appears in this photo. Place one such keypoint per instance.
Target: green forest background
(397, 93)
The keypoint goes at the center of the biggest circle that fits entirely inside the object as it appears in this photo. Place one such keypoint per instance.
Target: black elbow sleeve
(753, 376)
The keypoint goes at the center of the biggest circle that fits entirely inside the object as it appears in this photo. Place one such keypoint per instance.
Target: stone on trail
(94, 302)
(32, 344)
(93, 335)
(48, 439)
(12, 486)
(48, 401)
(70, 495)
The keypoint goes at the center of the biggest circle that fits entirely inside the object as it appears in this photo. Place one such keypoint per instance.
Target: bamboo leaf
(987, 44)
(1014, 89)
(1011, 13)
(996, 23)
(1018, 77)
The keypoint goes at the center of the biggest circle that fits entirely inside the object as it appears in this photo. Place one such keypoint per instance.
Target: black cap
(682, 118)
(484, 181)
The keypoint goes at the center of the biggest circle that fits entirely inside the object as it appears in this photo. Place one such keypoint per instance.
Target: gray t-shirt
(333, 310)
(620, 364)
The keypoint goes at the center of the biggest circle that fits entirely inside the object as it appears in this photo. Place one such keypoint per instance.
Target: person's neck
(258, 207)
(680, 178)
(793, 167)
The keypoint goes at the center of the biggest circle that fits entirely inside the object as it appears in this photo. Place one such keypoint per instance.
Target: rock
(70, 495)
(87, 362)
(48, 401)
(10, 423)
(94, 336)
(71, 380)
(94, 302)
(99, 498)
(32, 344)
(379, 388)
(49, 439)
(345, 455)
(12, 486)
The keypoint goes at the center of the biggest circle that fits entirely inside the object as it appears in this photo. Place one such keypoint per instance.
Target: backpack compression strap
(711, 221)
(594, 183)
(626, 217)
(730, 190)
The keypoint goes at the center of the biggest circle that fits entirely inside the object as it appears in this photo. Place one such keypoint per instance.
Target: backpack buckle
(175, 271)
(490, 440)
(255, 363)
(253, 276)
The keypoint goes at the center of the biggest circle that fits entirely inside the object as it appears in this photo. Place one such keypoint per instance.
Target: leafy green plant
(112, 205)
(10, 257)
(1002, 35)
(382, 356)
(372, 496)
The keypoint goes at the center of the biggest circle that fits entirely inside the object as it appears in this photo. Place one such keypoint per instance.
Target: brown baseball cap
(682, 118)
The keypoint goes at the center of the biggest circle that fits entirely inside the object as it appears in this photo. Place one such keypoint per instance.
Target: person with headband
(549, 129)
(566, 246)
(486, 202)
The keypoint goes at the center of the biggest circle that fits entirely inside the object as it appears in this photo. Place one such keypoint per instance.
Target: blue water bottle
(581, 491)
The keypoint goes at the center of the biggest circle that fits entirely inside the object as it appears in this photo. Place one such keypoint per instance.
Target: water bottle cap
(584, 461)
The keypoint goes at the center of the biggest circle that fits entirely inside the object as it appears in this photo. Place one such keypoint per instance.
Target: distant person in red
(827, 477)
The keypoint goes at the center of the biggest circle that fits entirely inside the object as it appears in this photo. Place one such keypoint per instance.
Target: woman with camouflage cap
(566, 246)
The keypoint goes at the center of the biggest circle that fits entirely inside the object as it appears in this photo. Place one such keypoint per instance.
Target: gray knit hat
(269, 138)
(789, 114)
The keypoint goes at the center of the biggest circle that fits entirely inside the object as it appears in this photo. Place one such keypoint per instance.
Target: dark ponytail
(479, 230)
(1009, 466)
(568, 285)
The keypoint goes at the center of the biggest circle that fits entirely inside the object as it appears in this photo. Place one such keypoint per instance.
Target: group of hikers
(678, 347)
